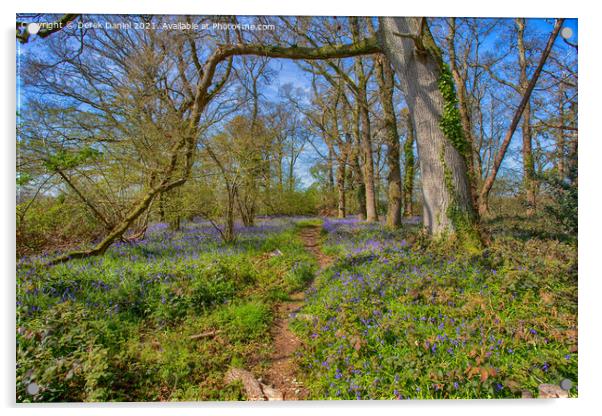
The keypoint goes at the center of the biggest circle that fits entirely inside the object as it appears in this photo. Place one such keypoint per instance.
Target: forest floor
(282, 373)
(300, 308)
(399, 317)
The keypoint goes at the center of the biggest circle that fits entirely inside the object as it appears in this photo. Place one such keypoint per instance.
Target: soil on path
(283, 370)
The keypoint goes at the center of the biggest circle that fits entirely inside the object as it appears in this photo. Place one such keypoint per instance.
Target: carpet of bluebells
(118, 326)
(394, 316)
(397, 318)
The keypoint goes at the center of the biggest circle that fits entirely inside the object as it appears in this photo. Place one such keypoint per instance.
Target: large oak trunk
(445, 185)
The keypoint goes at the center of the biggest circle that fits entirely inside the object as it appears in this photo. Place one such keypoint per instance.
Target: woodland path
(283, 369)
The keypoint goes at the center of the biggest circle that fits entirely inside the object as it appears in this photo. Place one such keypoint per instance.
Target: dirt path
(282, 372)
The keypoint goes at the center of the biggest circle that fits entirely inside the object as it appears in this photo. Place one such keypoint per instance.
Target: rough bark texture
(358, 174)
(343, 143)
(385, 79)
(445, 185)
(366, 135)
(408, 176)
(254, 390)
(366, 144)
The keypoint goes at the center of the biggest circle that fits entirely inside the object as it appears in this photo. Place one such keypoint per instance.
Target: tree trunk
(528, 161)
(116, 232)
(408, 178)
(86, 201)
(229, 226)
(561, 139)
(366, 144)
(202, 96)
(386, 84)
(488, 183)
(161, 207)
(174, 224)
(366, 136)
(341, 209)
(280, 170)
(464, 109)
(360, 188)
(446, 191)
(573, 144)
(291, 170)
(246, 210)
(330, 166)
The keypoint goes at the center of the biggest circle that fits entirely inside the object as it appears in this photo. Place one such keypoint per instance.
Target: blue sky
(291, 73)
(288, 72)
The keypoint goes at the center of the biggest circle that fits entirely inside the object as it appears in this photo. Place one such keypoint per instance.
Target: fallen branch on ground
(254, 390)
(207, 334)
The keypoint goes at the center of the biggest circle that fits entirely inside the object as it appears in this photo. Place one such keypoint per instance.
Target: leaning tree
(202, 69)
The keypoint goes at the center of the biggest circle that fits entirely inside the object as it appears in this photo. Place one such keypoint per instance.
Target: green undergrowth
(401, 320)
(119, 327)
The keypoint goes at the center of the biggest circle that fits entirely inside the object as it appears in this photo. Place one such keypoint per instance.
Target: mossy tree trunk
(408, 175)
(385, 78)
(417, 61)
(460, 76)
